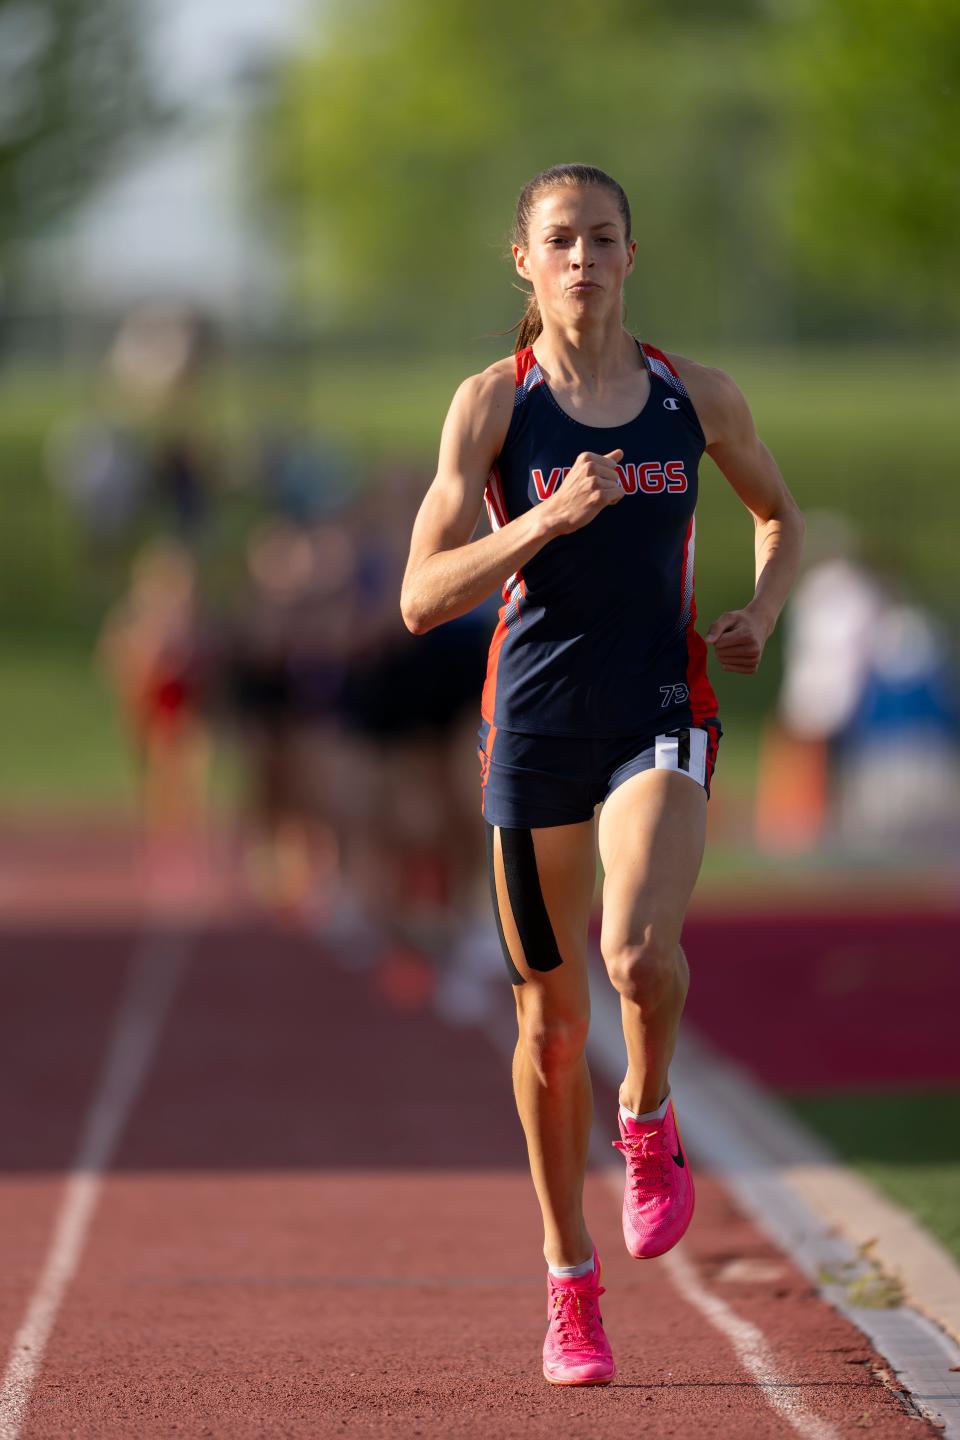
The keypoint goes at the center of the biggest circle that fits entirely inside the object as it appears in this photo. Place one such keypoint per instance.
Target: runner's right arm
(447, 574)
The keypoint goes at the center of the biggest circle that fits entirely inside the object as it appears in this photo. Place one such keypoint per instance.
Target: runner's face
(576, 256)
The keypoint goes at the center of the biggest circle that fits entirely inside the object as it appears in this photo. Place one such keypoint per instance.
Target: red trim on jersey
(659, 355)
(488, 699)
(493, 495)
(525, 361)
(703, 701)
(519, 593)
(685, 561)
(485, 759)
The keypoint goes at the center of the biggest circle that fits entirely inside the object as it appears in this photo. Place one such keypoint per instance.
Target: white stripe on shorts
(698, 756)
(667, 755)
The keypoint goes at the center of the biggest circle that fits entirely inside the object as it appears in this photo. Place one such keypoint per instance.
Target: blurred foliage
(872, 94)
(869, 433)
(400, 143)
(72, 92)
(787, 163)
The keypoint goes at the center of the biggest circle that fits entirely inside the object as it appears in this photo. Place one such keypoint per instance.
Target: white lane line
(154, 972)
(751, 1347)
(756, 1356)
(749, 1135)
(749, 1343)
(749, 1142)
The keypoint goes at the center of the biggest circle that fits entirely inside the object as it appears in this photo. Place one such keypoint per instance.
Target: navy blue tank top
(596, 634)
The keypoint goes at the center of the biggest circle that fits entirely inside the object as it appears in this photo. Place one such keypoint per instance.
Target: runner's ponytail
(530, 326)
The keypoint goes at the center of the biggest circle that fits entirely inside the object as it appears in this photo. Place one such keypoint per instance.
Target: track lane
(59, 995)
(319, 1222)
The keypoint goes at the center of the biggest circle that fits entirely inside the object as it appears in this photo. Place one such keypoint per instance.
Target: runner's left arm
(738, 636)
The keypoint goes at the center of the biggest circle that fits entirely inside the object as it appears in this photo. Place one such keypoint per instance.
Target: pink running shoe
(576, 1351)
(658, 1195)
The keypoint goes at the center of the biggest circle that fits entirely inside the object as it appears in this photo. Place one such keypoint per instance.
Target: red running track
(318, 1222)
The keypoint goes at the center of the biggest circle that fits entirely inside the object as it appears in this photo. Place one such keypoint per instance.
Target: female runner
(585, 446)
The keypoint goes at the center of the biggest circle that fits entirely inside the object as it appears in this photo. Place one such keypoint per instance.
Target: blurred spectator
(100, 467)
(158, 348)
(182, 482)
(900, 782)
(863, 747)
(832, 615)
(302, 480)
(155, 652)
(827, 628)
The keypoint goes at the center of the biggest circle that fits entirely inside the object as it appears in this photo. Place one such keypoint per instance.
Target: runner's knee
(648, 971)
(554, 1044)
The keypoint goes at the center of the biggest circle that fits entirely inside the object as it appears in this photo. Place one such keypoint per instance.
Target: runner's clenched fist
(738, 638)
(590, 487)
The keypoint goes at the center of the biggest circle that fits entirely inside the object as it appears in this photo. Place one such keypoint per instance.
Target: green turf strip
(62, 745)
(60, 742)
(906, 1141)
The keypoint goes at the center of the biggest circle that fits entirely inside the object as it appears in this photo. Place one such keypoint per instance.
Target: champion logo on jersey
(671, 404)
(647, 478)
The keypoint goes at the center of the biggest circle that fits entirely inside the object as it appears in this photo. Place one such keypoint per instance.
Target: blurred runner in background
(155, 649)
(413, 857)
(285, 662)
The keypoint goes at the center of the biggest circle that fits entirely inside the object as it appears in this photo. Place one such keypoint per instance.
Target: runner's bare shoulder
(480, 412)
(716, 397)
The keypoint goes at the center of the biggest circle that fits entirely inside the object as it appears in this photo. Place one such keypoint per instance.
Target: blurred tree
(792, 163)
(71, 90)
(397, 146)
(872, 202)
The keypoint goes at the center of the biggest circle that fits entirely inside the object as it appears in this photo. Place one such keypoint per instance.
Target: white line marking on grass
(154, 972)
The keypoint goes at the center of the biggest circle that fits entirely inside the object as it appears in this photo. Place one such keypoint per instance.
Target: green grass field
(59, 740)
(904, 1142)
(870, 433)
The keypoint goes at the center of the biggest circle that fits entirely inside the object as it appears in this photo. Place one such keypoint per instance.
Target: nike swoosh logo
(678, 1158)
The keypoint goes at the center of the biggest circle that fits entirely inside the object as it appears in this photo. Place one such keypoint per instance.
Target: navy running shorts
(530, 782)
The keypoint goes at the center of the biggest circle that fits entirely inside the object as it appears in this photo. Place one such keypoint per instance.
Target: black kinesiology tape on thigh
(515, 977)
(526, 900)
